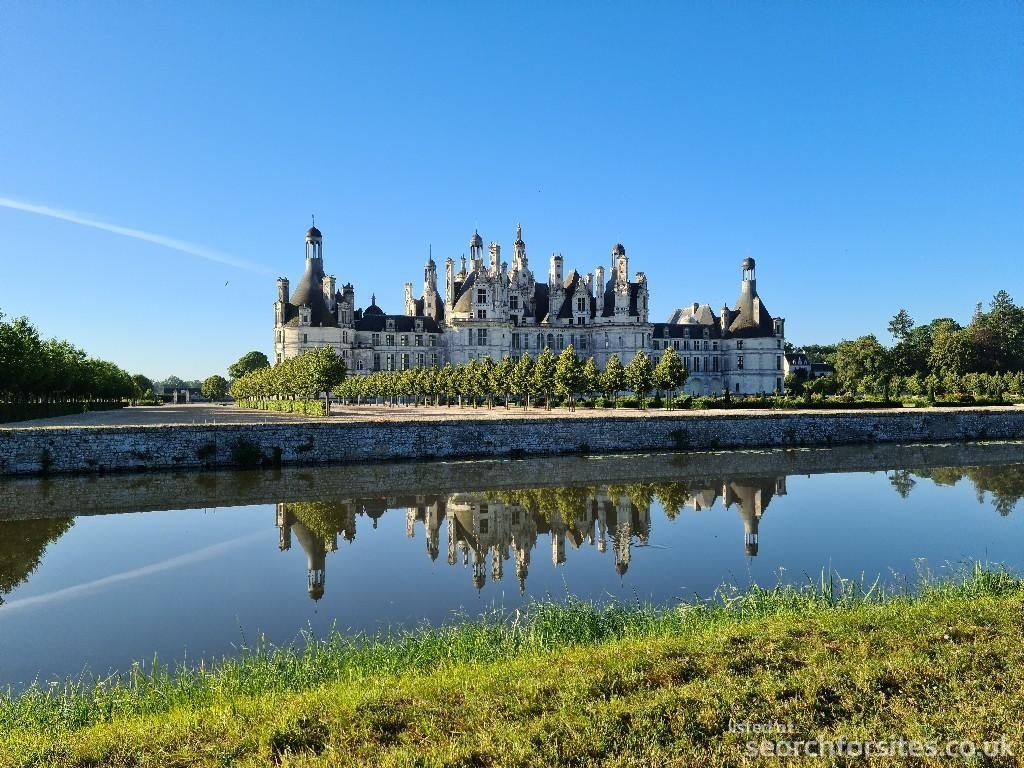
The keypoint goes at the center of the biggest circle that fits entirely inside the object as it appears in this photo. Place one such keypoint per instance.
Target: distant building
(491, 309)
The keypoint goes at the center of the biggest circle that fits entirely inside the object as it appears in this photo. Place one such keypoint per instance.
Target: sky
(160, 162)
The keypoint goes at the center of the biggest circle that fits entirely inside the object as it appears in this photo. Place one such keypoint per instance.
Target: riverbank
(406, 433)
(576, 684)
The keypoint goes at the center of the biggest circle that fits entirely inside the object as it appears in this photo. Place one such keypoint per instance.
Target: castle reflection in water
(505, 527)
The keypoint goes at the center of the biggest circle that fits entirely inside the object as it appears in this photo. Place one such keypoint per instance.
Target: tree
(590, 379)
(522, 379)
(214, 387)
(670, 373)
(503, 378)
(613, 378)
(142, 384)
(568, 375)
(952, 349)
(901, 325)
(250, 361)
(640, 376)
(861, 364)
(544, 376)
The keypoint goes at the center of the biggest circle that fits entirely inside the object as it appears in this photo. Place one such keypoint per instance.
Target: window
(404, 339)
(481, 314)
(344, 337)
(433, 340)
(513, 302)
(778, 362)
(419, 339)
(778, 343)
(515, 517)
(376, 361)
(515, 341)
(705, 346)
(696, 365)
(705, 362)
(433, 358)
(583, 321)
(583, 342)
(375, 339)
(481, 337)
(739, 363)
(739, 344)
(390, 340)
(714, 345)
(675, 344)
(389, 362)
(778, 385)
(561, 341)
(305, 339)
(405, 361)
(483, 525)
(419, 359)
(551, 340)
(359, 365)
(481, 296)
(714, 364)
(570, 321)
(581, 304)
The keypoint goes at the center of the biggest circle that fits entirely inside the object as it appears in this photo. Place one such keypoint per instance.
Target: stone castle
(492, 309)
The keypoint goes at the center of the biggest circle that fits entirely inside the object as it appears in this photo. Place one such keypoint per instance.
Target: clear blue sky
(870, 156)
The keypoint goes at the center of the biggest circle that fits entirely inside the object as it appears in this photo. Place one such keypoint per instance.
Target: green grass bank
(576, 684)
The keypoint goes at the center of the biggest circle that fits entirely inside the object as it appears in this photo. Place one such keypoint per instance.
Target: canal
(97, 573)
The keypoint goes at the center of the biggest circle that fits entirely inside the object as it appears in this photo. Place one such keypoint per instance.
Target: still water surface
(98, 591)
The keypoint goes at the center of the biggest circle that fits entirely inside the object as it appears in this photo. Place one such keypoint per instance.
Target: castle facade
(492, 309)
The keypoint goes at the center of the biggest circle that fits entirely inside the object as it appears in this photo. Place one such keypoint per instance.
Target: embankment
(41, 450)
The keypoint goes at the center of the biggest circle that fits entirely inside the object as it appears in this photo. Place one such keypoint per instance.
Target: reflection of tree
(324, 519)
(902, 481)
(1005, 483)
(673, 497)
(22, 543)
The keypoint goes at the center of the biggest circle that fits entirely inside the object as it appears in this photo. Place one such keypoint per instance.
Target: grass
(570, 684)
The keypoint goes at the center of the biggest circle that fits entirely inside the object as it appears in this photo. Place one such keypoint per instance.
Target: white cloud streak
(79, 590)
(137, 234)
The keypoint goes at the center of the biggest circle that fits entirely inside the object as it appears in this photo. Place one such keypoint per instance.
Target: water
(96, 573)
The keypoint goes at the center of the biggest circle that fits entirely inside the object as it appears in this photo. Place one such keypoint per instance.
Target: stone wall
(103, 449)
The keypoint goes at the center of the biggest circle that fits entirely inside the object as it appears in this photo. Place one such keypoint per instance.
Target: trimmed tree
(568, 376)
(640, 376)
(248, 362)
(670, 374)
(613, 378)
(544, 376)
(214, 387)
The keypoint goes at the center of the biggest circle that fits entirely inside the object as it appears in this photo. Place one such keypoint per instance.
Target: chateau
(492, 309)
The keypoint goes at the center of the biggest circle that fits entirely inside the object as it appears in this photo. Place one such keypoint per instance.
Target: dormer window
(390, 324)
(419, 325)
(481, 296)
(304, 315)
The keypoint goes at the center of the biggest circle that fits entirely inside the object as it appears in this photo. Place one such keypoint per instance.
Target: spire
(373, 299)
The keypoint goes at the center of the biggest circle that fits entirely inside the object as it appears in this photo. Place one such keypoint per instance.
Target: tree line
(523, 381)
(982, 360)
(37, 370)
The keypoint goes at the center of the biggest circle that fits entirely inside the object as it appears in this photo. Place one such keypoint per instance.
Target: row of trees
(33, 369)
(983, 359)
(523, 381)
(304, 377)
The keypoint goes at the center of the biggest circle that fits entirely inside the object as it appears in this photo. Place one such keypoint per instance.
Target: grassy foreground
(575, 684)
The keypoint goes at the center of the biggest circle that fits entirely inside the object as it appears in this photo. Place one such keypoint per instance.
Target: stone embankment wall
(102, 449)
(407, 483)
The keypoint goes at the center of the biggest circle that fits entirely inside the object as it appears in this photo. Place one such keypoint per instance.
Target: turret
(282, 290)
(599, 283)
(476, 251)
